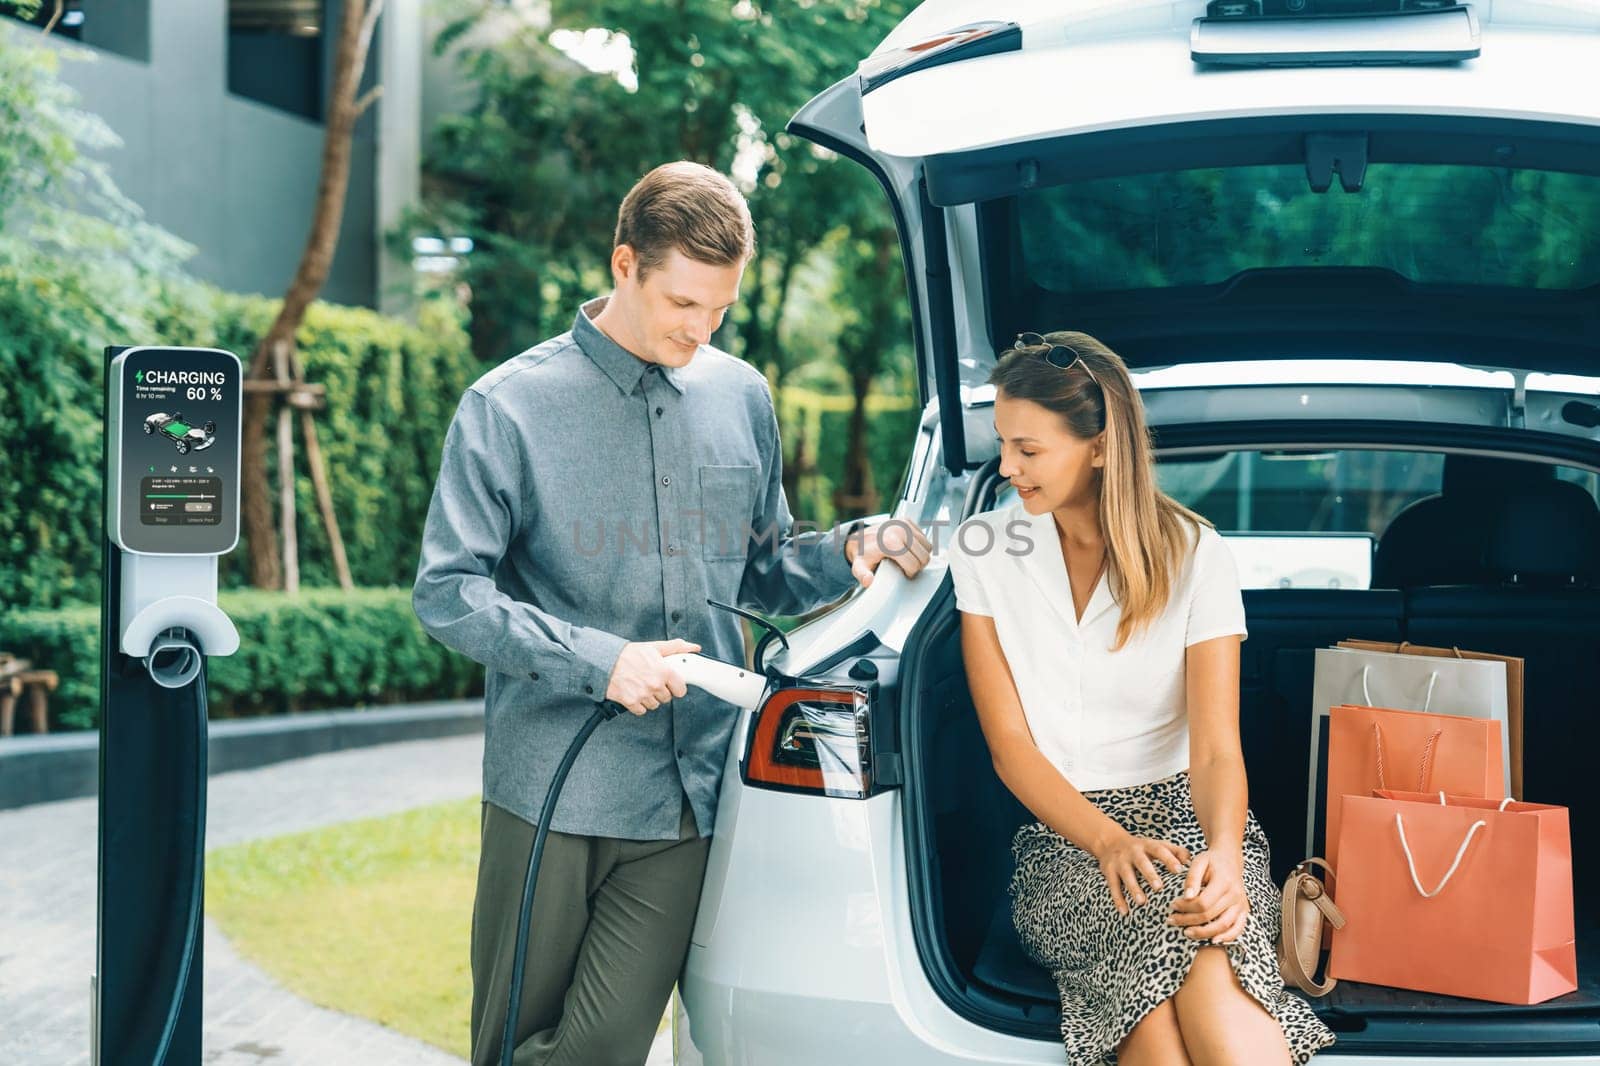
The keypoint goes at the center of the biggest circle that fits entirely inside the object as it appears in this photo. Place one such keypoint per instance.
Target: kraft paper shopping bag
(1514, 686)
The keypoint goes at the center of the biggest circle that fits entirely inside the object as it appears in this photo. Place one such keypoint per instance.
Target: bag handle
(1400, 649)
(1411, 862)
(1366, 693)
(1424, 768)
(1503, 803)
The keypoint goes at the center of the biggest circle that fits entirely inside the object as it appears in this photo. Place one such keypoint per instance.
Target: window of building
(275, 53)
(118, 26)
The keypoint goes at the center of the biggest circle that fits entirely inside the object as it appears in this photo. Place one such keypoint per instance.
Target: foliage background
(521, 171)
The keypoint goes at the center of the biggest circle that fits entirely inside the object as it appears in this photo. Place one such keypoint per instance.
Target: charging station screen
(180, 450)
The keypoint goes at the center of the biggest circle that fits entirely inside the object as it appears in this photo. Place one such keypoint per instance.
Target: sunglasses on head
(1057, 355)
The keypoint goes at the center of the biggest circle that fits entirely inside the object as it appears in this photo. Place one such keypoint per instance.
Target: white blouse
(1104, 719)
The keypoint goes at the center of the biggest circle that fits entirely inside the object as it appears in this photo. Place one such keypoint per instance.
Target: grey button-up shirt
(587, 498)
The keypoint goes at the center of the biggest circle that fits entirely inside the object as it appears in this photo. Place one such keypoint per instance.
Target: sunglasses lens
(1057, 355)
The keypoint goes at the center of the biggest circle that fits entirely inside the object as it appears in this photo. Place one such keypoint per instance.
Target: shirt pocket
(726, 496)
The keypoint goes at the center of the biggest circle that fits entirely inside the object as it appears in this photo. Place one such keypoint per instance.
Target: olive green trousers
(610, 929)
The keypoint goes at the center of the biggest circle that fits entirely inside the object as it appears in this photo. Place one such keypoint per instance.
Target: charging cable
(726, 681)
(608, 709)
(174, 662)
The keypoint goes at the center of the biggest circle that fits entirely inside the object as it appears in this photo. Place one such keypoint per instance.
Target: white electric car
(1355, 264)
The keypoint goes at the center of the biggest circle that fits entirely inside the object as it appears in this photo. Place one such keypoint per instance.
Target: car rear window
(1310, 519)
(1431, 223)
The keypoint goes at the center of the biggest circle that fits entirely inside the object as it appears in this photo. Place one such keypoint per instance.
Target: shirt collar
(1047, 565)
(620, 365)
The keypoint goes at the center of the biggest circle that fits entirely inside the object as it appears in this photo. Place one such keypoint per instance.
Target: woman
(1101, 623)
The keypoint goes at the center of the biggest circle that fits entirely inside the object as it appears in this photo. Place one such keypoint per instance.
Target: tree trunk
(790, 478)
(319, 479)
(857, 494)
(286, 509)
(344, 109)
(291, 542)
(785, 279)
(863, 356)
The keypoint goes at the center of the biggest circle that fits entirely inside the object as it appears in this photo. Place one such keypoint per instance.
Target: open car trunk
(1056, 175)
(960, 818)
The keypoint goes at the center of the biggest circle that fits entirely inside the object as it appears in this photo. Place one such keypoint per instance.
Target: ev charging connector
(172, 459)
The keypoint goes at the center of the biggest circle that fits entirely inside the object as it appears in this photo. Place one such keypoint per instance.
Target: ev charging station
(172, 459)
(172, 450)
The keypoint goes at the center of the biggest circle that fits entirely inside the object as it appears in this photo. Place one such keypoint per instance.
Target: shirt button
(658, 412)
(589, 689)
(534, 675)
(677, 616)
(680, 753)
(666, 479)
(672, 549)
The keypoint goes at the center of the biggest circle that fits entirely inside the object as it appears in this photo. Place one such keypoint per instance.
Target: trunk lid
(1085, 172)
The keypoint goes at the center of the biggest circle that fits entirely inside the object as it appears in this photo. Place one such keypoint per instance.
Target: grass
(371, 918)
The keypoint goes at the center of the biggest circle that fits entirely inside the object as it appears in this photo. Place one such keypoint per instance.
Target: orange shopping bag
(1459, 896)
(1376, 747)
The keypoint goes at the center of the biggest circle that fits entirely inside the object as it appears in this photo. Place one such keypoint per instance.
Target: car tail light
(814, 740)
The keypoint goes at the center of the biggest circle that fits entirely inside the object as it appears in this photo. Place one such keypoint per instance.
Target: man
(594, 491)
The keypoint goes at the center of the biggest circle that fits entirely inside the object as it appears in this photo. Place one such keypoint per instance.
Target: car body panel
(1148, 80)
(804, 949)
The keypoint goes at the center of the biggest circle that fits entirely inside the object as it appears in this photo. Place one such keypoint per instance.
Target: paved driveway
(47, 912)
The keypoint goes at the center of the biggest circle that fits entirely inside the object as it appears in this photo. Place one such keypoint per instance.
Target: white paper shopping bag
(1470, 688)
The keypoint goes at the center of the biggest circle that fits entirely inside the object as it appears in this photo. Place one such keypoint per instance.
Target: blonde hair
(1147, 532)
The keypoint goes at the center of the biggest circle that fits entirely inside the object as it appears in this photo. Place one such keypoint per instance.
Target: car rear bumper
(803, 950)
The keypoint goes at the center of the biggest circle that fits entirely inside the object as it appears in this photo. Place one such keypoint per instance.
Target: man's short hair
(689, 207)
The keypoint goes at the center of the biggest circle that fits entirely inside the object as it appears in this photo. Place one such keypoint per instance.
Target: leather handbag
(1306, 905)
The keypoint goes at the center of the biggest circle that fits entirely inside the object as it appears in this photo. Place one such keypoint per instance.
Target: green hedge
(322, 649)
(890, 436)
(392, 388)
(822, 418)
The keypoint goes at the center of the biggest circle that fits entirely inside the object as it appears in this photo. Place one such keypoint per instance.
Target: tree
(533, 171)
(877, 325)
(274, 369)
(80, 268)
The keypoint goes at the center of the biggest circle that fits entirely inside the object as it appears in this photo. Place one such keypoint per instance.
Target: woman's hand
(1126, 858)
(1213, 905)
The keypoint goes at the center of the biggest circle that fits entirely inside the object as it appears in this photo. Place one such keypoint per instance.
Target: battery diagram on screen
(185, 437)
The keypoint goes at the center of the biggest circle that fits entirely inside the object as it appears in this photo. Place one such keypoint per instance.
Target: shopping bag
(1379, 747)
(1468, 687)
(1456, 895)
(1514, 674)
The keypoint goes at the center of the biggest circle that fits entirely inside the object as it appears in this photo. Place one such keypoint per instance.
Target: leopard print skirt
(1112, 970)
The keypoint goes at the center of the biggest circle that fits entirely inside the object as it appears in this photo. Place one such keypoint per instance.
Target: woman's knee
(1155, 1040)
(1220, 1021)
